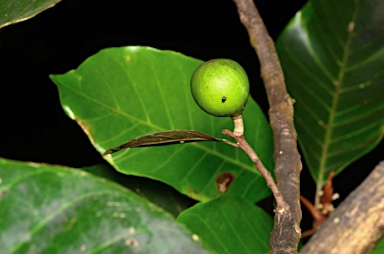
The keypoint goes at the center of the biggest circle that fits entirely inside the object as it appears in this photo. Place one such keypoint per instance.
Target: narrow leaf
(165, 137)
(46, 209)
(332, 54)
(230, 225)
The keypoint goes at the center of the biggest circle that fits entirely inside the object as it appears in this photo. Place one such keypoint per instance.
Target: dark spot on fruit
(223, 182)
(223, 99)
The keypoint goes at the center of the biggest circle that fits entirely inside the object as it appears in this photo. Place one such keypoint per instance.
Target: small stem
(239, 126)
(319, 187)
(230, 143)
(238, 135)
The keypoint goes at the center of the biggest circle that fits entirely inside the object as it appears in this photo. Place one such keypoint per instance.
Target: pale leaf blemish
(195, 237)
(223, 182)
(83, 248)
(362, 85)
(85, 129)
(115, 204)
(127, 58)
(351, 26)
(118, 215)
(132, 230)
(131, 242)
(69, 112)
(33, 164)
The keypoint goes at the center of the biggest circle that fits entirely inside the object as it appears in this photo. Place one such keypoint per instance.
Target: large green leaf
(124, 93)
(230, 225)
(156, 192)
(332, 53)
(51, 209)
(12, 11)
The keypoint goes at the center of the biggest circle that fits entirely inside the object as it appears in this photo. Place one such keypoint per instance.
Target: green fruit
(220, 87)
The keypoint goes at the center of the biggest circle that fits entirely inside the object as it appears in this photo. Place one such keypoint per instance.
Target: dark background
(35, 128)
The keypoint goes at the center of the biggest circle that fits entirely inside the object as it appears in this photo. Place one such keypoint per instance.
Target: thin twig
(242, 143)
(286, 233)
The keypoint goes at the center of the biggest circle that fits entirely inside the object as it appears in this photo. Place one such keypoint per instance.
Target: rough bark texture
(358, 222)
(286, 233)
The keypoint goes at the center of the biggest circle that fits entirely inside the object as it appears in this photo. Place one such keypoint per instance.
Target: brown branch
(286, 233)
(242, 143)
(358, 222)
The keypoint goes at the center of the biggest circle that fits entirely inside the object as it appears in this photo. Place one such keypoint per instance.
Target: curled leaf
(165, 137)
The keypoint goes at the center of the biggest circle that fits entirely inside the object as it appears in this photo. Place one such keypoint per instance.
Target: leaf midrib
(133, 118)
(53, 215)
(331, 118)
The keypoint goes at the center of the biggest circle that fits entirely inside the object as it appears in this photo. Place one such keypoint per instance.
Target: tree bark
(286, 233)
(357, 224)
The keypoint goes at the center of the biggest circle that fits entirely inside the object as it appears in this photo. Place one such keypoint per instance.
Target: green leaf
(12, 11)
(230, 225)
(124, 93)
(156, 192)
(45, 208)
(332, 54)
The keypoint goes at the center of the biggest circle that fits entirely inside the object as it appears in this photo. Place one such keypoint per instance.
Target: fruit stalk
(281, 205)
(239, 125)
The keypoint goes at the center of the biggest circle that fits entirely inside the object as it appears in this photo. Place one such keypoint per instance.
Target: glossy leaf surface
(230, 225)
(332, 54)
(156, 192)
(124, 93)
(45, 208)
(12, 11)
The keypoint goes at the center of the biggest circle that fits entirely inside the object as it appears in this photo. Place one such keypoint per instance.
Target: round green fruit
(220, 87)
